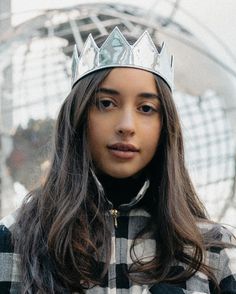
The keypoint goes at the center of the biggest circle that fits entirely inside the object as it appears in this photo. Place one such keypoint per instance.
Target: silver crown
(117, 52)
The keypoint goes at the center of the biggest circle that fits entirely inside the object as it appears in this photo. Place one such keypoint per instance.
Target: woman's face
(124, 124)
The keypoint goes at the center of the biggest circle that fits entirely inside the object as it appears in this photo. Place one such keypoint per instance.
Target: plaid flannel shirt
(129, 222)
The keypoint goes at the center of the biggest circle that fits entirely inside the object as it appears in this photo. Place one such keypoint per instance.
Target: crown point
(115, 49)
(90, 42)
(145, 40)
(144, 46)
(115, 36)
(164, 54)
(90, 56)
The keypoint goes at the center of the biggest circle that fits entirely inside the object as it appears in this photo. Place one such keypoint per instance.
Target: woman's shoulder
(9, 261)
(220, 255)
(9, 220)
(6, 226)
(217, 231)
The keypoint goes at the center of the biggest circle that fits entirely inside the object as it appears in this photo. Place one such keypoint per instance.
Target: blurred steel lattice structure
(35, 79)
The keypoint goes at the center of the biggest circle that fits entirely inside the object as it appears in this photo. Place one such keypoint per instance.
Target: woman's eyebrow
(107, 91)
(115, 92)
(149, 95)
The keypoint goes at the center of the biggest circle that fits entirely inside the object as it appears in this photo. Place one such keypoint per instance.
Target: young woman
(117, 212)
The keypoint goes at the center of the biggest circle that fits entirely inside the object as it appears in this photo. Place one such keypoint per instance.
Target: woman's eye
(147, 109)
(105, 104)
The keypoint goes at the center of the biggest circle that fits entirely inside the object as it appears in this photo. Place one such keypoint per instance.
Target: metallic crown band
(117, 52)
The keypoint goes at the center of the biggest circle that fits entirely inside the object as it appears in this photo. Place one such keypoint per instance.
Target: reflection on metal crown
(117, 52)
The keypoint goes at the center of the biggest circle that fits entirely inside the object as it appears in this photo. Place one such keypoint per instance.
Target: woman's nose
(126, 124)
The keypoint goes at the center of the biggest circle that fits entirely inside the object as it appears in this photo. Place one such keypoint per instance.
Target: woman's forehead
(130, 79)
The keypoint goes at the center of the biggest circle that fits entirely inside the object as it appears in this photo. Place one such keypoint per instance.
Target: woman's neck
(121, 191)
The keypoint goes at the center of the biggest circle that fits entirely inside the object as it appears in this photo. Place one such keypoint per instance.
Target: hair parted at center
(62, 224)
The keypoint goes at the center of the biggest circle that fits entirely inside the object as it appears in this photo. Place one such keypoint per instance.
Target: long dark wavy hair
(61, 231)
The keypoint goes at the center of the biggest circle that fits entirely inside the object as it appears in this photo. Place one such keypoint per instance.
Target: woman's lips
(123, 151)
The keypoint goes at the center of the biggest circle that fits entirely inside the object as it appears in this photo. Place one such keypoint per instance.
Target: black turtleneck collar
(121, 191)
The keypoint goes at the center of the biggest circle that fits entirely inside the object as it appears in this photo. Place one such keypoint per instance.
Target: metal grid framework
(35, 78)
